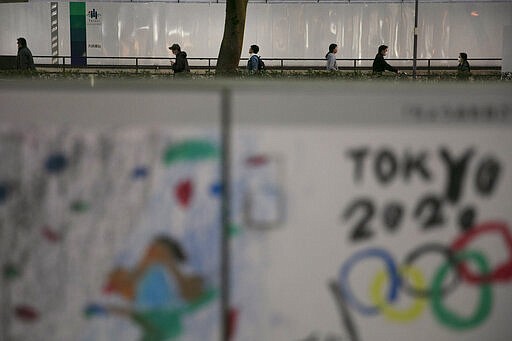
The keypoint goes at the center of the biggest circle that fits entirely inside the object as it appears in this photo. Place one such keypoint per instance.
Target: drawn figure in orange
(159, 291)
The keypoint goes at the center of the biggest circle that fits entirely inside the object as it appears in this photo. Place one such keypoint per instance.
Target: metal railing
(278, 64)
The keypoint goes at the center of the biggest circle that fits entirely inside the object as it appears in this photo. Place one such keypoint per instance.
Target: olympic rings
(449, 318)
(415, 254)
(393, 314)
(456, 258)
(502, 273)
(391, 267)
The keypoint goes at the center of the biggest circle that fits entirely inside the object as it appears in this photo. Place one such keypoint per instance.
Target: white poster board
(385, 184)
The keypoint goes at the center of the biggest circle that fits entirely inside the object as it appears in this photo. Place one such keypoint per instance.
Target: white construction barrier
(129, 29)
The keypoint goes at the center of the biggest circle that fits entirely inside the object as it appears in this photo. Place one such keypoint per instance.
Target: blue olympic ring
(394, 285)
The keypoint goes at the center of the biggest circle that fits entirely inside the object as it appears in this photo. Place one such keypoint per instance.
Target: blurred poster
(109, 235)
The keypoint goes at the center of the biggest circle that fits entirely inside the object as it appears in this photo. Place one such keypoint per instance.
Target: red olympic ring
(502, 272)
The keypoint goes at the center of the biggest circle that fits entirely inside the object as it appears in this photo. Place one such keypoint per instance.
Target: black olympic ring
(426, 248)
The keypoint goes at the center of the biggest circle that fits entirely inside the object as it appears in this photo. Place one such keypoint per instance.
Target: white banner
(94, 32)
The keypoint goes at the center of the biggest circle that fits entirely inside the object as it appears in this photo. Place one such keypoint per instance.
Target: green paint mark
(190, 150)
(10, 271)
(234, 230)
(209, 295)
(159, 325)
(79, 206)
(165, 324)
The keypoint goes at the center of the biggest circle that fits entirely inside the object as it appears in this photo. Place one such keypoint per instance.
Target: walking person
(180, 65)
(463, 69)
(331, 58)
(24, 59)
(379, 64)
(254, 63)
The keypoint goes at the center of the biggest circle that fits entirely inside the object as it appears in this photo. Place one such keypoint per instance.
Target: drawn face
(157, 252)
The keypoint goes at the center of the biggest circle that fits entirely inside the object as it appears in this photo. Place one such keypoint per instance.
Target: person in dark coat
(24, 60)
(463, 69)
(180, 66)
(379, 64)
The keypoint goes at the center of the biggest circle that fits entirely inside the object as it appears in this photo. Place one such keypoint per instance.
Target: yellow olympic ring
(396, 315)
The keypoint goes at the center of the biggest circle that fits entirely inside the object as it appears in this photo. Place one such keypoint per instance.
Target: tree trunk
(231, 47)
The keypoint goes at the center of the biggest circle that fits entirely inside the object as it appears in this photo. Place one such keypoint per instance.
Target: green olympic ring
(450, 318)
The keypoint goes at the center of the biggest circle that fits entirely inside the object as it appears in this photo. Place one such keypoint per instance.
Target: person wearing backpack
(254, 64)
(180, 65)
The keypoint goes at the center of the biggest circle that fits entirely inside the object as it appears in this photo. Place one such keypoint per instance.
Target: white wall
(281, 30)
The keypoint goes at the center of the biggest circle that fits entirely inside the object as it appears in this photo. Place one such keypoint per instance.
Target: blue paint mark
(56, 163)
(4, 193)
(216, 189)
(140, 172)
(94, 309)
